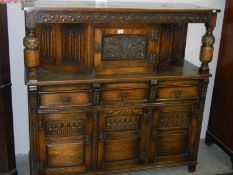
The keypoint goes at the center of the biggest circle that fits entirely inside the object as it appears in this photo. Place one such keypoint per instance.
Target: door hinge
(102, 137)
(155, 35)
(87, 139)
(155, 132)
(147, 117)
(37, 125)
(153, 90)
(153, 58)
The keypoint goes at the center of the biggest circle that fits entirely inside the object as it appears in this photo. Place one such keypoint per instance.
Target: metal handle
(124, 95)
(66, 100)
(178, 94)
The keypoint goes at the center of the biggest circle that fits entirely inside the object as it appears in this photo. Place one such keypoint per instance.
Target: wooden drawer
(178, 90)
(124, 92)
(65, 99)
(51, 96)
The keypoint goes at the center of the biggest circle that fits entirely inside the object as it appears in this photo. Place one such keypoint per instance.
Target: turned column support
(31, 52)
(208, 40)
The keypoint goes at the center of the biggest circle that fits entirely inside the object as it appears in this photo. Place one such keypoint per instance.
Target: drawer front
(179, 90)
(124, 92)
(65, 99)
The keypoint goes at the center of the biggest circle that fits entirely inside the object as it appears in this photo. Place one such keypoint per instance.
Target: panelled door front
(132, 49)
(174, 132)
(122, 138)
(65, 143)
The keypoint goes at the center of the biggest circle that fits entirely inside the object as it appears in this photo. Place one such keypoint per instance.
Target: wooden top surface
(87, 5)
(182, 70)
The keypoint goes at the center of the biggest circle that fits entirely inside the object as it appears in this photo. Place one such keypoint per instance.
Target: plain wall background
(19, 90)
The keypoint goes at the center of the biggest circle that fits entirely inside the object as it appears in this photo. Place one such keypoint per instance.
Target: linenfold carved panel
(122, 123)
(116, 47)
(72, 43)
(64, 128)
(175, 119)
(46, 42)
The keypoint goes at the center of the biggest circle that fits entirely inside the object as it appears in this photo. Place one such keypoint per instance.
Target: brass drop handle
(124, 95)
(66, 100)
(178, 93)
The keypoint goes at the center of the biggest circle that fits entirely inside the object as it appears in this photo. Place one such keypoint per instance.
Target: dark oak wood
(220, 130)
(7, 152)
(110, 90)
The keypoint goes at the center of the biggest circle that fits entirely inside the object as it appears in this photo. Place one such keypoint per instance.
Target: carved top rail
(128, 12)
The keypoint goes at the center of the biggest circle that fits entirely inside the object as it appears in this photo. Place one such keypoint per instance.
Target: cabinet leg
(192, 168)
(208, 139)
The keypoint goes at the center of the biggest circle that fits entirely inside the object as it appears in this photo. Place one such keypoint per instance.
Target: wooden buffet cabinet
(108, 87)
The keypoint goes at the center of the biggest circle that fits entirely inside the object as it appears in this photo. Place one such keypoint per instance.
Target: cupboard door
(131, 49)
(65, 143)
(173, 132)
(120, 144)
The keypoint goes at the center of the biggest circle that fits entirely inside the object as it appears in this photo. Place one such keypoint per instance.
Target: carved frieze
(124, 47)
(175, 119)
(64, 128)
(122, 123)
(124, 111)
(74, 17)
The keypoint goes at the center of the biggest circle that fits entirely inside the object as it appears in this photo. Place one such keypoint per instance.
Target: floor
(211, 161)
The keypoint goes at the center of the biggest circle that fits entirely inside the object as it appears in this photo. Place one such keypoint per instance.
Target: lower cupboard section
(116, 139)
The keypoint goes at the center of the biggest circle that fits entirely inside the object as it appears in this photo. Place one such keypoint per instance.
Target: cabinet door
(65, 143)
(174, 130)
(120, 144)
(130, 49)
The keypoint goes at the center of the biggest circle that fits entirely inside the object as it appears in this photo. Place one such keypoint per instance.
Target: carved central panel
(121, 123)
(121, 47)
(64, 128)
(176, 119)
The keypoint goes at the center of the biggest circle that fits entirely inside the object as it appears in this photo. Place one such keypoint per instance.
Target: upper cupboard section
(110, 48)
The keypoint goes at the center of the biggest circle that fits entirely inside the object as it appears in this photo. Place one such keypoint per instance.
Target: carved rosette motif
(74, 17)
